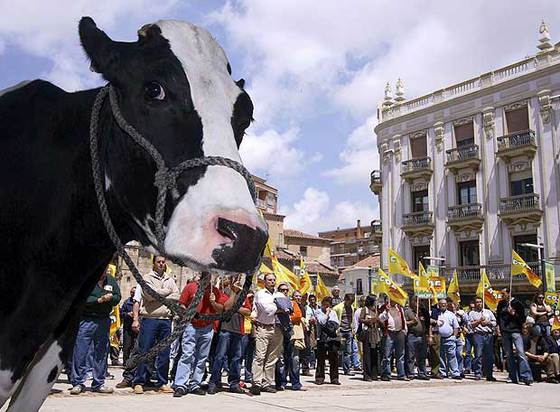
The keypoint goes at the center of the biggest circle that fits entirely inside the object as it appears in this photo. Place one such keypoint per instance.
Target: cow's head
(174, 86)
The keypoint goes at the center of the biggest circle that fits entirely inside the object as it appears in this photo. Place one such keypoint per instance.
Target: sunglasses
(283, 290)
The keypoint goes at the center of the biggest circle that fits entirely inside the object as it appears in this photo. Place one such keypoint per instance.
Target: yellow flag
(265, 269)
(556, 322)
(518, 267)
(453, 290)
(390, 288)
(321, 291)
(422, 284)
(397, 265)
(486, 292)
(305, 284)
(283, 274)
(116, 312)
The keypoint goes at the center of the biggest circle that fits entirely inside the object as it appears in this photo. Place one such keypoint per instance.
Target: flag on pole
(518, 266)
(321, 291)
(485, 291)
(453, 290)
(386, 285)
(283, 274)
(397, 265)
(116, 312)
(305, 284)
(422, 284)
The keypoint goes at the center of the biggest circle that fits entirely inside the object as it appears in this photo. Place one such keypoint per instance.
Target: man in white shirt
(268, 337)
(448, 328)
(483, 323)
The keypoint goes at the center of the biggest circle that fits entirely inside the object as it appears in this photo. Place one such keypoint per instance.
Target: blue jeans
(348, 343)
(448, 356)
(91, 332)
(460, 343)
(356, 364)
(469, 345)
(248, 349)
(509, 340)
(396, 341)
(228, 353)
(483, 355)
(153, 331)
(196, 347)
(288, 365)
(417, 351)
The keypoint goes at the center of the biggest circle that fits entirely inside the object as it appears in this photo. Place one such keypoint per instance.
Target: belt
(483, 333)
(264, 325)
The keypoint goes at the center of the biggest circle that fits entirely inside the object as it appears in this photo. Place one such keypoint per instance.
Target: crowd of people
(278, 335)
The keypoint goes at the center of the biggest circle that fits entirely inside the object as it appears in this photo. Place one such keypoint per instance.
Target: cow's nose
(245, 248)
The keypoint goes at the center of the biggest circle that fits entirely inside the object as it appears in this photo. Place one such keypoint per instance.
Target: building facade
(471, 171)
(267, 203)
(308, 246)
(350, 245)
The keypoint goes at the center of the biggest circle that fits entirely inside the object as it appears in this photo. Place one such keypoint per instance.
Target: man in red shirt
(197, 336)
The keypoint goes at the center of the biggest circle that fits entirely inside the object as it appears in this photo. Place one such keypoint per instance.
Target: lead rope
(165, 180)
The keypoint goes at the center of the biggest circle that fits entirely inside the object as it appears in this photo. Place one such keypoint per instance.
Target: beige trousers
(552, 365)
(268, 347)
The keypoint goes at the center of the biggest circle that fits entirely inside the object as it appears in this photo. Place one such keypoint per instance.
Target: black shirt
(510, 323)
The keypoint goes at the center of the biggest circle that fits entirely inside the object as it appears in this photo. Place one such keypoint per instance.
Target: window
(464, 134)
(466, 192)
(418, 147)
(526, 253)
(303, 251)
(521, 187)
(420, 201)
(359, 287)
(469, 253)
(517, 120)
(418, 254)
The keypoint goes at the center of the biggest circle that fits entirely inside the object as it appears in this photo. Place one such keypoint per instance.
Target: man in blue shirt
(445, 323)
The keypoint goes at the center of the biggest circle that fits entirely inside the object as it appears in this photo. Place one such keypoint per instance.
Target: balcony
(465, 217)
(418, 224)
(463, 157)
(376, 231)
(517, 144)
(499, 276)
(375, 182)
(521, 209)
(417, 168)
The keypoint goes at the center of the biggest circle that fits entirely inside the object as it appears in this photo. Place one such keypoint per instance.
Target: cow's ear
(101, 50)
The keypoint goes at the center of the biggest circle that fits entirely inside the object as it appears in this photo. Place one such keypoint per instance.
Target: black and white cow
(173, 85)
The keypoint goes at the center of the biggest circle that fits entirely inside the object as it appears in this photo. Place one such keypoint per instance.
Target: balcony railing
(413, 165)
(519, 204)
(460, 154)
(517, 140)
(495, 273)
(466, 211)
(417, 219)
(375, 181)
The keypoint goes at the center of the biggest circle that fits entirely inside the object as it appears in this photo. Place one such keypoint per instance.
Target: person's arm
(163, 291)
(455, 326)
(411, 321)
(136, 317)
(491, 321)
(321, 316)
(174, 292)
(116, 292)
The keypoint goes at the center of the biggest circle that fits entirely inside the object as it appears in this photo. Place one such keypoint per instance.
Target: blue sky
(316, 71)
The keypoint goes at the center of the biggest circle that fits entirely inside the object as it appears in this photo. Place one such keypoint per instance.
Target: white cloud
(312, 213)
(273, 153)
(47, 29)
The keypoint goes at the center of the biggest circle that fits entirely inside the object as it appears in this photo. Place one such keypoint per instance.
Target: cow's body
(54, 244)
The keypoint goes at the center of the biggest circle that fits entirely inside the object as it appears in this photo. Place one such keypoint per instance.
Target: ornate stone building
(471, 171)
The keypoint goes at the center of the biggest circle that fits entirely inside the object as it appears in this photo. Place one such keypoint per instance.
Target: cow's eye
(154, 91)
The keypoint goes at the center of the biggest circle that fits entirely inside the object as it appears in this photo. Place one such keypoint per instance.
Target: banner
(422, 285)
(550, 277)
(391, 289)
(433, 271)
(283, 274)
(398, 266)
(552, 298)
(438, 285)
(305, 284)
(519, 267)
(486, 292)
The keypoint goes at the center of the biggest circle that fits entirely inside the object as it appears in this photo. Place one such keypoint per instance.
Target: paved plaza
(352, 395)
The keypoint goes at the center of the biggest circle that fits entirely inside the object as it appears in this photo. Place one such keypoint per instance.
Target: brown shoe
(123, 384)
(164, 389)
(138, 389)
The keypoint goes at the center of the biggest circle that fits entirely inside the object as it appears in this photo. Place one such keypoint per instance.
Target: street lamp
(541, 258)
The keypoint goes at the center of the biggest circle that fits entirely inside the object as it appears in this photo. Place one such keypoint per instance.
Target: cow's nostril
(227, 228)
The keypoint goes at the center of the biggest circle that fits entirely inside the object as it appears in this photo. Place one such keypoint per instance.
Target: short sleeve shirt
(204, 307)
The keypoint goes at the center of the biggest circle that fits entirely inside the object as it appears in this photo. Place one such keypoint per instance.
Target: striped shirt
(474, 316)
